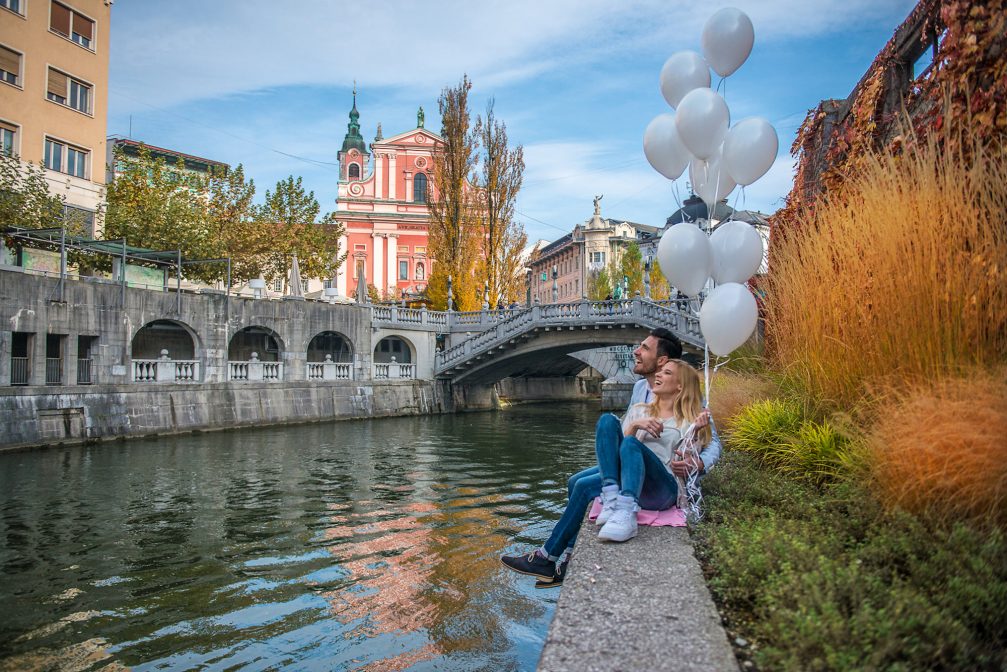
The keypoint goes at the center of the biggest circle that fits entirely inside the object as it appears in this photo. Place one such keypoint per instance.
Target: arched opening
(421, 271)
(420, 188)
(330, 343)
(354, 171)
(393, 346)
(160, 335)
(259, 340)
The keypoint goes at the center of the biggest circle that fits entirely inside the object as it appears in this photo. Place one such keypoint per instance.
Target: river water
(359, 545)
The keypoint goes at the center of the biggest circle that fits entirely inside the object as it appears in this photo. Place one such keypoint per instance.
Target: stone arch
(261, 340)
(330, 343)
(178, 338)
(398, 347)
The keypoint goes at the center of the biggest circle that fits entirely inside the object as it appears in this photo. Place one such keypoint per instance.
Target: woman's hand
(686, 464)
(703, 419)
(652, 426)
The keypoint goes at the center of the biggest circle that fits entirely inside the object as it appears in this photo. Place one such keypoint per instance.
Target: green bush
(825, 579)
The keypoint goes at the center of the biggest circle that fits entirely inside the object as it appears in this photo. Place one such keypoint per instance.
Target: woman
(637, 467)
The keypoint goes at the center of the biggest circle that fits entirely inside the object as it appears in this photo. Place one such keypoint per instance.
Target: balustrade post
(165, 368)
(423, 314)
(254, 367)
(585, 309)
(536, 312)
(395, 313)
(328, 369)
(393, 369)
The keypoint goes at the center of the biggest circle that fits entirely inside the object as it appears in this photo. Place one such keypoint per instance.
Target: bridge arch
(178, 338)
(399, 347)
(332, 343)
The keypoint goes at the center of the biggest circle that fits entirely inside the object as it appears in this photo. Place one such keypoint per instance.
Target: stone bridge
(534, 342)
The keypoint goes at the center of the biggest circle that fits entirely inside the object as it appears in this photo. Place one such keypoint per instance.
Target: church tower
(353, 157)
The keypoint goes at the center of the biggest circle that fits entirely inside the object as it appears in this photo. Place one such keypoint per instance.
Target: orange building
(383, 201)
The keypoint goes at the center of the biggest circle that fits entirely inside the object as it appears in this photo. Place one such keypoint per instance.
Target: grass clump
(939, 450)
(829, 579)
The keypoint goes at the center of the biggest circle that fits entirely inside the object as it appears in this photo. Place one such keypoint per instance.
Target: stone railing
(255, 370)
(165, 370)
(393, 370)
(675, 316)
(438, 320)
(329, 370)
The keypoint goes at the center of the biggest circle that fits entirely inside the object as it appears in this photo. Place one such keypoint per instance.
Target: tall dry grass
(731, 392)
(902, 279)
(941, 449)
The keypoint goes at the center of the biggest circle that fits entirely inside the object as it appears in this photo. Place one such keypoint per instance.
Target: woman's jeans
(622, 461)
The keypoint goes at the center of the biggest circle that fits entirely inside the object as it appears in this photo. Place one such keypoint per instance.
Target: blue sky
(268, 84)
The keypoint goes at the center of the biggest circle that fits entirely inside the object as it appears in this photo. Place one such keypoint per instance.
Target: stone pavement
(640, 606)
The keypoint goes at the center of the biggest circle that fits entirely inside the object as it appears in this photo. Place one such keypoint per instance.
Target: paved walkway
(641, 606)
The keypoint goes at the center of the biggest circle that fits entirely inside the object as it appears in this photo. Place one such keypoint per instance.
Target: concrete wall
(45, 415)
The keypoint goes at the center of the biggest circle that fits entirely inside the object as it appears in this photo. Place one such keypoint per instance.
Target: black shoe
(557, 579)
(532, 564)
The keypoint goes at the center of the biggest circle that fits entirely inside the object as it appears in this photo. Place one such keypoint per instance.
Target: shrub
(733, 391)
(899, 279)
(827, 579)
(940, 449)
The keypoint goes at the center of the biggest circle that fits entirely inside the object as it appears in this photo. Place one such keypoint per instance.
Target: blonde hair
(689, 402)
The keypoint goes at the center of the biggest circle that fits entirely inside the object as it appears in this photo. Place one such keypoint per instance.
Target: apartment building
(54, 94)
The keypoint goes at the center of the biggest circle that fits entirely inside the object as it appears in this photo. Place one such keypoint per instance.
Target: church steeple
(353, 139)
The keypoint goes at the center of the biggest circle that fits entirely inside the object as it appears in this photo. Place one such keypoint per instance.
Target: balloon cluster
(699, 135)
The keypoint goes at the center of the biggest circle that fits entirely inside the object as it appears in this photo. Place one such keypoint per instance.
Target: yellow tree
(498, 184)
(454, 225)
(659, 289)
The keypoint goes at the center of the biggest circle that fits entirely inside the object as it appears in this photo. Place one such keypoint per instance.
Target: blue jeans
(622, 461)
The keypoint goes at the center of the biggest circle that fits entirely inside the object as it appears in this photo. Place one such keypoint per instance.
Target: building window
(359, 246)
(12, 5)
(278, 285)
(421, 249)
(354, 171)
(420, 188)
(66, 159)
(403, 249)
(8, 135)
(597, 257)
(66, 90)
(71, 24)
(403, 270)
(10, 66)
(421, 272)
(326, 284)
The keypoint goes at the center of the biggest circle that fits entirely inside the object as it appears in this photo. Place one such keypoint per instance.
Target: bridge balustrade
(329, 370)
(165, 370)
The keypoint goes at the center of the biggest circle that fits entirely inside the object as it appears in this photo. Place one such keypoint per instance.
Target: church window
(420, 188)
(403, 270)
(354, 171)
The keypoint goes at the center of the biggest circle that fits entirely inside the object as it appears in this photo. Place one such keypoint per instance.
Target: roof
(694, 208)
(116, 248)
(163, 153)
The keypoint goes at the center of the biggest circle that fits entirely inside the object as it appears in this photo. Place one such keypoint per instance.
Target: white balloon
(710, 180)
(685, 257)
(728, 317)
(737, 252)
(663, 148)
(727, 40)
(750, 149)
(683, 72)
(702, 119)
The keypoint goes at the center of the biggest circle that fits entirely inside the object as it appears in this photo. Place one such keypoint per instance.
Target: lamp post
(451, 294)
(528, 285)
(555, 284)
(646, 278)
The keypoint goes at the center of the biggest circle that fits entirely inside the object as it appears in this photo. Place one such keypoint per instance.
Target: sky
(269, 85)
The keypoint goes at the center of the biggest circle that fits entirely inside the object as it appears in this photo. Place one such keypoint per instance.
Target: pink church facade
(383, 202)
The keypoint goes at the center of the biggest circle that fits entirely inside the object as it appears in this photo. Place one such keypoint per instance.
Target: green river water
(359, 545)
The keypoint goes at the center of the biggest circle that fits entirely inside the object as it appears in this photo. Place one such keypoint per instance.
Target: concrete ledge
(642, 605)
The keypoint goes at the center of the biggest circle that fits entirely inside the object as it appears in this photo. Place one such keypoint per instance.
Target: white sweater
(663, 446)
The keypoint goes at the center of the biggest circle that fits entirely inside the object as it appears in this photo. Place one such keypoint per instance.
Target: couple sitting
(639, 464)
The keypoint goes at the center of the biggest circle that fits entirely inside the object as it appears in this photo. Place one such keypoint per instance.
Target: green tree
(498, 184)
(599, 284)
(631, 266)
(162, 207)
(232, 222)
(290, 217)
(25, 200)
(454, 225)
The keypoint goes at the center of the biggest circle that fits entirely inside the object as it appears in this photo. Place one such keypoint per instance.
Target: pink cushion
(673, 517)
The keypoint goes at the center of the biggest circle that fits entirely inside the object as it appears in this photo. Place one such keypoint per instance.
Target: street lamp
(555, 285)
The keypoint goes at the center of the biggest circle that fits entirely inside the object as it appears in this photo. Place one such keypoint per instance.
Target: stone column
(379, 175)
(409, 185)
(377, 260)
(36, 359)
(341, 284)
(6, 345)
(393, 264)
(70, 359)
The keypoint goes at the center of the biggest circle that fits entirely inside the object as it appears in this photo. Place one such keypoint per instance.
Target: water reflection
(367, 545)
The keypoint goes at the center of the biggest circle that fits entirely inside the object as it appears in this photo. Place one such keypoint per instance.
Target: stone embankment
(642, 605)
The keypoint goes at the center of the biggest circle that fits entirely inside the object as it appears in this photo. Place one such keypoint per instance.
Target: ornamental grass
(900, 280)
(940, 450)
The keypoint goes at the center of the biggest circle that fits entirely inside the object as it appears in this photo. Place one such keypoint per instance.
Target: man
(648, 357)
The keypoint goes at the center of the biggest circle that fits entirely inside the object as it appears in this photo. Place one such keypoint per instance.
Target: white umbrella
(294, 286)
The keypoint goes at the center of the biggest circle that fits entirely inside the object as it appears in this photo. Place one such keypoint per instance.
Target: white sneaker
(608, 496)
(622, 525)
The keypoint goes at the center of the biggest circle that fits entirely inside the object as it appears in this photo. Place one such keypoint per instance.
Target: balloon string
(706, 371)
